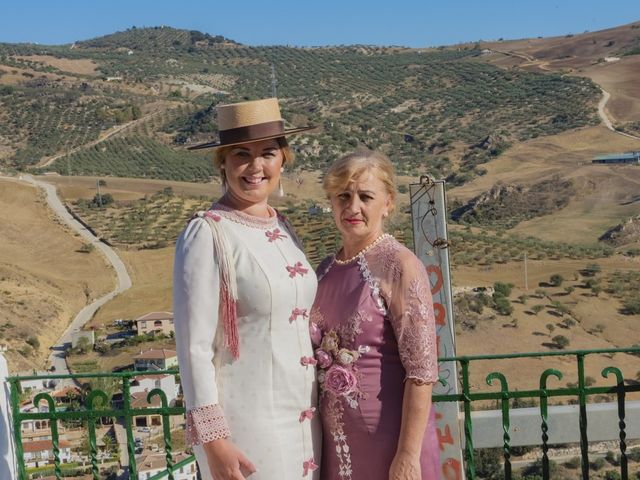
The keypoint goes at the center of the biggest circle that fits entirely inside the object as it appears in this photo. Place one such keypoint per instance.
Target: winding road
(605, 118)
(57, 357)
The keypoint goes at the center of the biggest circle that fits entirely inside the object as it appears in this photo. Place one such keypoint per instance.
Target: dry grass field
(79, 66)
(606, 193)
(44, 279)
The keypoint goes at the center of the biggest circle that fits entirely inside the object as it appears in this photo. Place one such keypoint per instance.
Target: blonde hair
(221, 153)
(352, 166)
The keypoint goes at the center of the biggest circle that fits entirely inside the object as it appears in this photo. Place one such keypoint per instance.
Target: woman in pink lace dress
(374, 332)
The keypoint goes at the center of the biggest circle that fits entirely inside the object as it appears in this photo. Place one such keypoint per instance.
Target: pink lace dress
(373, 328)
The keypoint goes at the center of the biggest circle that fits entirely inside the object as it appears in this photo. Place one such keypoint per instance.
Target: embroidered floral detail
(416, 335)
(333, 417)
(306, 361)
(205, 424)
(274, 235)
(296, 312)
(387, 255)
(245, 218)
(297, 268)
(307, 414)
(213, 216)
(323, 359)
(308, 466)
(373, 284)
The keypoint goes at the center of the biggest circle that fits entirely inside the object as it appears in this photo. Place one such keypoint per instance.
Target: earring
(280, 189)
(223, 181)
(385, 214)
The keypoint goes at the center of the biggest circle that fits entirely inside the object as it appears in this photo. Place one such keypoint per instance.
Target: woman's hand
(405, 466)
(226, 462)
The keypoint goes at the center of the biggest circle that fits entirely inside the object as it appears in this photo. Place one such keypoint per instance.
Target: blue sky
(416, 23)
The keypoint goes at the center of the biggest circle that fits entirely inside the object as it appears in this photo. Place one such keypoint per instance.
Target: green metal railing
(580, 392)
(96, 407)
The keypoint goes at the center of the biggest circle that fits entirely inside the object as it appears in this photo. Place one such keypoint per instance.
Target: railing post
(620, 394)
(468, 427)
(128, 424)
(582, 398)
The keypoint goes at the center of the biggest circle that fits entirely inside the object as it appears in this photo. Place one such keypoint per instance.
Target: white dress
(264, 400)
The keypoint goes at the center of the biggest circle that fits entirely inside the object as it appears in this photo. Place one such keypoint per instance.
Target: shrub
(631, 307)
(34, 342)
(503, 289)
(561, 341)
(598, 464)
(573, 462)
(537, 309)
(556, 280)
(612, 475)
(502, 305)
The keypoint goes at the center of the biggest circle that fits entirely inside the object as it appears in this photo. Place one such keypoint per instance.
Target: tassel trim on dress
(228, 285)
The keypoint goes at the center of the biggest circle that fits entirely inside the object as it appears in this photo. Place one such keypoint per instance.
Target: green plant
(561, 341)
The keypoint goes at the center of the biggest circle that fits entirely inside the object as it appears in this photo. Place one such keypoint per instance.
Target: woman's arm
(196, 295)
(416, 405)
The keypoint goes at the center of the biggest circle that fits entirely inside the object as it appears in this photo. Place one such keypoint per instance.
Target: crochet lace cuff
(205, 424)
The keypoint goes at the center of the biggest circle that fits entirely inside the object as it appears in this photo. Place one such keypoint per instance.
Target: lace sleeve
(406, 285)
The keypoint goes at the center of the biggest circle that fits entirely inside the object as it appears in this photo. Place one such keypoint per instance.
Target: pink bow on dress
(274, 235)
(297, 268)
(309, 466)
(296, 312)
(307, 414)
(308, 361)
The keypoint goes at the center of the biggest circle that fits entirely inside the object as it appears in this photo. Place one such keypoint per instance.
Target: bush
(561, 341)
(598, 464)
(556, 280)
(611, 475)
(503, 289)
(631, 307)
(502, 305)
(34, 342)
(574, 462)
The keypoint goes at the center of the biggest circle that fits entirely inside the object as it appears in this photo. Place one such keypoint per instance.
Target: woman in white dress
(241, 296)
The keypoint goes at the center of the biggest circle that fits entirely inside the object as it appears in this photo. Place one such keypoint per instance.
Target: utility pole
(274, 82)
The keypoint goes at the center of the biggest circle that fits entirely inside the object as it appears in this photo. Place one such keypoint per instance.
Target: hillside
(153, 89)
(512, 126)
(45, 277)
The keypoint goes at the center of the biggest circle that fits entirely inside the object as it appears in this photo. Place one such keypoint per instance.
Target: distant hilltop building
(627, 157)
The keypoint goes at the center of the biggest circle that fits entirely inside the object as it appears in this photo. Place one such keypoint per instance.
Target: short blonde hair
(350, 167)
(221, 153)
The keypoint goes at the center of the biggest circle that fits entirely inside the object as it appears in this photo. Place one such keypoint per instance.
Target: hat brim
(291, 131)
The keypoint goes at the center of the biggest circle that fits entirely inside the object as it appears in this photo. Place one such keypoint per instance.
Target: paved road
(123, 280)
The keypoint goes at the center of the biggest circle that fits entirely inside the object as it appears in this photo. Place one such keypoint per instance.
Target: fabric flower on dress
(274, 235)
(330, 342)
(346, 357)
(324, 359)
(340, 380)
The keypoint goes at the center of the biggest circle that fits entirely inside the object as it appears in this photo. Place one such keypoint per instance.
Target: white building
(152, 464)
(40, 452)
(156, 360)
(146, 383)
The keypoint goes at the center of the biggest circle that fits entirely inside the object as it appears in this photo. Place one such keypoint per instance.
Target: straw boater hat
(249, 122)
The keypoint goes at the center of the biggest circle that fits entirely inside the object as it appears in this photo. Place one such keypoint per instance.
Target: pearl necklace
(363, 251)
